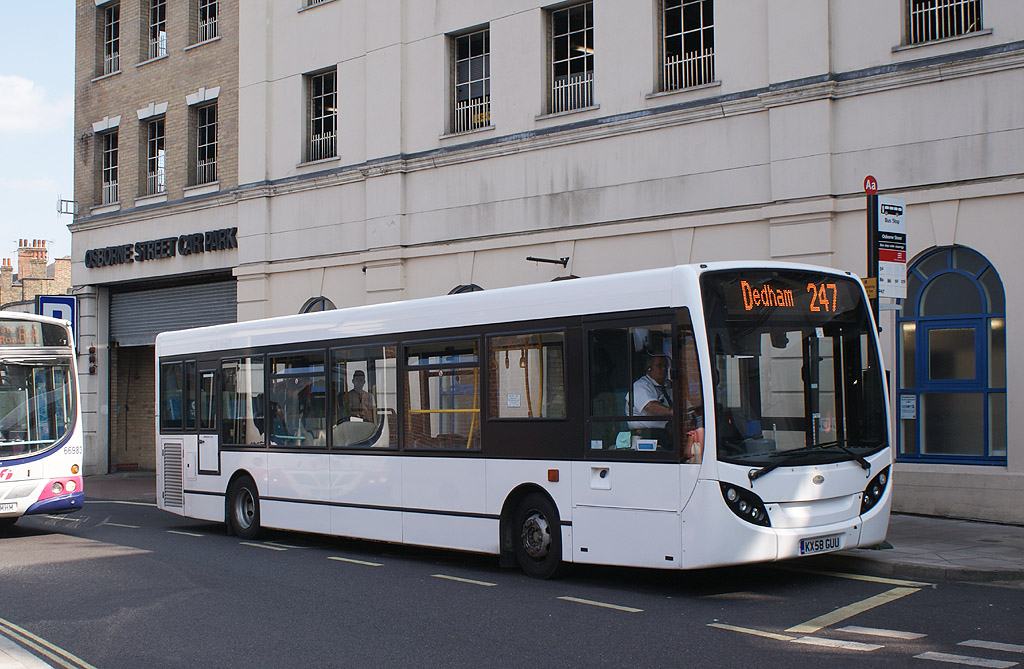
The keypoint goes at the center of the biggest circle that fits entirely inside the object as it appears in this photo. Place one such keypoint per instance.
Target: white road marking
(993, 645)
(69, 519)
(836, 643)
(130, 527)
(351, 561)
(464, 580)
(889, 634)
(119, 501)
(280, 545)
(183, 532)
(965, 660)
(753, 632)
(604, 605)
(841, 614)
(269, 548)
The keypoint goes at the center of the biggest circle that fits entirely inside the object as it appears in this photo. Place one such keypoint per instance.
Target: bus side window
(171, 386)
(363, 387)
(207, 397)
(190, 395)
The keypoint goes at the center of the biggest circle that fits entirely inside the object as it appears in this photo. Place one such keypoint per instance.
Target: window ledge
(106, 76)
(678, 91)
(105, 209)
(306, 7)
(453, 135)
(544, 117)
(908, 47)
(310, 163)
(145, 200)
(152, 60)
(199, 44)
(201, 189)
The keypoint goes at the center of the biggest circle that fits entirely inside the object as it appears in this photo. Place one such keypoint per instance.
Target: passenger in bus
(359, 402)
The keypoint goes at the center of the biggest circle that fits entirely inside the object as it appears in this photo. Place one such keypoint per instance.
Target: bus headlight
(874, 491)
(71, 486)
(745, 504)
(57, 488)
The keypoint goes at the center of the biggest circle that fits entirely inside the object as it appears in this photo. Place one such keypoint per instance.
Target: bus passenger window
(190, 395)
(527, 376)
(442, 396)
(207, 411)
(363, 386)
(242, 402)
(171, 385)
(298, 387)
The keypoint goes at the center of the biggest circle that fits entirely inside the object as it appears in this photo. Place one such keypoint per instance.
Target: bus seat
(350, 433)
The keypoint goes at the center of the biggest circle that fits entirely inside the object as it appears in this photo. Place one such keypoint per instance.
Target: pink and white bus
(41, 443)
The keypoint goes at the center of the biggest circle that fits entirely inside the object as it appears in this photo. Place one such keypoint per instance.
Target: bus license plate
(8, 506)
(820, 544)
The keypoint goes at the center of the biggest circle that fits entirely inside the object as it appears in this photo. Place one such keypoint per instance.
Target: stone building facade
(386, 150)
(35, 275)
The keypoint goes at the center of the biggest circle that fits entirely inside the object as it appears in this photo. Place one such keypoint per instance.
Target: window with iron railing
(688, 44)
(111, 38)
(207, 26)
(206, 144)
(108, 170)
(933, 20)
(572, 58)
(323, 116)
(157, 29)
(156, 158)
(472, 101)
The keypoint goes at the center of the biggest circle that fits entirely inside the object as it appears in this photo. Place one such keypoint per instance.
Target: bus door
(205, 411)
(642, 401)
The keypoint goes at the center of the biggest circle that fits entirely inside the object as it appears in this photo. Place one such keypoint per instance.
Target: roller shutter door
(136, 318)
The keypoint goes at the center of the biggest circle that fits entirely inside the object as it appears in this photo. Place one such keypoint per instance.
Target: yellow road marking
(840, 614)
(858, 577)
(604, 605)
(351, 561)
(465, 580)
(747, 630)
(40, 645)
(118, 501)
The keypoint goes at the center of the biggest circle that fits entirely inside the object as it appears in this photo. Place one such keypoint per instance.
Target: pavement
(917, 547)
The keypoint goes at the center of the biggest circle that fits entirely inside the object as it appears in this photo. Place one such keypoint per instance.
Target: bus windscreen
(795, 366)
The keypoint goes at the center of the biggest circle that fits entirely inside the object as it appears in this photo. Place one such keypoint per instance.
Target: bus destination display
(20, 333)
(812, 295)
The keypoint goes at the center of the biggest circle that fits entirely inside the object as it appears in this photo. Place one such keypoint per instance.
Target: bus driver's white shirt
(645, 390)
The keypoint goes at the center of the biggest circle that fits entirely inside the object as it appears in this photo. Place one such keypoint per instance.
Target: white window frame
(156, 156)
(206, 148)
(935, 20)
(112, 38)
(108, 167)
(471, 80)
(157, 29)
(572, 68)
(322, 115)
(688, 56)
(206, 20)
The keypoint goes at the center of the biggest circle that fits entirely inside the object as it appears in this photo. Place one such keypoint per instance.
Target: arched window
(317, 304)
(464, 288)
(952, 360)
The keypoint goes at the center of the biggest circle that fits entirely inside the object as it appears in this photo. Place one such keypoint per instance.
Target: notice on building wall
(908, 407)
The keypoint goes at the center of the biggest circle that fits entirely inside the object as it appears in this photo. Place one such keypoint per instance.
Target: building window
(952, 360)
(323, 115)
(572, 58)
(932, 20)
(108, 170)
(111, 38)
(472, 108)
(206, 144)
(317, 304)
(157, 29)
(688, 44)
(156, 158)
(207, 20)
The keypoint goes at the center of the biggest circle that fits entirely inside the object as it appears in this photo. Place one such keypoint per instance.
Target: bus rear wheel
(244, 508)
(537, 536)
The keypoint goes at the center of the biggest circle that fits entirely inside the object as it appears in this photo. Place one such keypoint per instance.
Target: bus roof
(639, 290)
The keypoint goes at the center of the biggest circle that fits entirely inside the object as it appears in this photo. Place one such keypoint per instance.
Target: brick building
(35, 275)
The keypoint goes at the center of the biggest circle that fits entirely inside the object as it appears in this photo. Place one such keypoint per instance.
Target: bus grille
(173, 484)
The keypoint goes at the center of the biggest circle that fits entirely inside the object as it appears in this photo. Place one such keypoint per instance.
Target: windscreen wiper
(789, 456)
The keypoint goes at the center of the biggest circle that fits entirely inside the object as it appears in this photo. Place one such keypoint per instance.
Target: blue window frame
(952, 360)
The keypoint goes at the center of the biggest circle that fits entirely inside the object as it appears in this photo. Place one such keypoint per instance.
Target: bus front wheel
(244, 508)
(537, 536)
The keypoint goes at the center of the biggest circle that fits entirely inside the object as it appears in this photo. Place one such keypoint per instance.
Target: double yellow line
(57, 656)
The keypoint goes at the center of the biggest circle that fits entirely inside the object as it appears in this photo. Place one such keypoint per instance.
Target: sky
(37, 97)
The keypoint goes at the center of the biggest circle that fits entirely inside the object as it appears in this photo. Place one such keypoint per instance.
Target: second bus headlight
(745, 504)
(874, 491)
